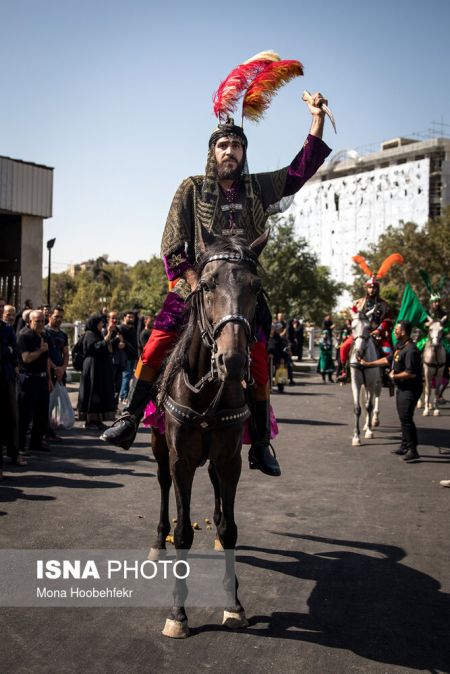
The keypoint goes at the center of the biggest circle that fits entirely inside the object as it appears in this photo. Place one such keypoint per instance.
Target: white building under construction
(354, 198)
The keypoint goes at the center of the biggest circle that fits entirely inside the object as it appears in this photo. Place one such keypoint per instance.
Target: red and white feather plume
(255, 81)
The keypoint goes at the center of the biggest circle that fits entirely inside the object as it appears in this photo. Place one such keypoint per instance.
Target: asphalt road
(343, 561)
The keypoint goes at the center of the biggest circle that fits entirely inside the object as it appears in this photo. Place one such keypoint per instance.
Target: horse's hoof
(234, 620)
(375, 422)
(436, 413)
(218, 545)
(356, 442)
(425, 413)
(176, 629)
(368, 435)
(156, 553)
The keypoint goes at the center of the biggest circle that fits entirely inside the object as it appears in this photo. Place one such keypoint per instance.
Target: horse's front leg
(228, 470)
(426, 393)
(437, 394)
(217, 507)
(161, 454)
(376, 406)
(369, 409)
(357, 412)
(182, 468)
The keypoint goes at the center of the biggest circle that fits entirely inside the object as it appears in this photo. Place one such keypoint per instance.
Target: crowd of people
(34, 357)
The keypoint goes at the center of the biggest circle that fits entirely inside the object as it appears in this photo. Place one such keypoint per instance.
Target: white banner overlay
(108, 578)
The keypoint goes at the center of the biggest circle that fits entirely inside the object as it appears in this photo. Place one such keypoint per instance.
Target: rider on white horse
(380, 322)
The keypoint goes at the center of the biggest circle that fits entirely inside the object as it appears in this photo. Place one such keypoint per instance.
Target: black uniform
(8, 402)
(34, 393)
(406, 358)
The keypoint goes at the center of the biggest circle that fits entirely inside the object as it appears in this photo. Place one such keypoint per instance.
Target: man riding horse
(226, 201)
(437, 311)
(375, 308)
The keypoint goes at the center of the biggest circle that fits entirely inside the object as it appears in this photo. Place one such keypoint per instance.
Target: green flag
(411, 309)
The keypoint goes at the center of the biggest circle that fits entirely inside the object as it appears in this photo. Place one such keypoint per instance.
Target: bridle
(209, 332)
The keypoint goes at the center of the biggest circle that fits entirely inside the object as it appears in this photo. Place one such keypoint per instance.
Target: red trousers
(345, 349)
(160, 343)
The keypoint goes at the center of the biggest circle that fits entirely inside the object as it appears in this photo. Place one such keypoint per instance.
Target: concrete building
(26, 195)
(354, 198)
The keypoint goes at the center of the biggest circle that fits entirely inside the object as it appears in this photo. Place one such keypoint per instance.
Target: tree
(295, 283)
(427, 248)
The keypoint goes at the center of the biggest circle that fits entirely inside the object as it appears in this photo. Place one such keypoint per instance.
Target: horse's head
(360, 332)
(436, 331)
(228, 291)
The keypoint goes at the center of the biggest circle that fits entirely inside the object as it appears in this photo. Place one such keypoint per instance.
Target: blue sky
(117, 96)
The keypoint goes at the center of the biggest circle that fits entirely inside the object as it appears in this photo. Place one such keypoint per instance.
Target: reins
(209, 333)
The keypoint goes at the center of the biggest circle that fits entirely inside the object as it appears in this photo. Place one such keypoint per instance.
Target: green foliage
(427, 248)
(295, 283)
(111, 284)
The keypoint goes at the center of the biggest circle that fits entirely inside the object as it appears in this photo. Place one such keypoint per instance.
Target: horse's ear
(259, 244)
(443, 319)
(428, 322)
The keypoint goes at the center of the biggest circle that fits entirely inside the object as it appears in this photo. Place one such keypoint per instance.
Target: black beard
(225, 173)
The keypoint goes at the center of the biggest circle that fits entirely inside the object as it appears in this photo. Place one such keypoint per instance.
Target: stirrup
(116, 438)
(257, 463)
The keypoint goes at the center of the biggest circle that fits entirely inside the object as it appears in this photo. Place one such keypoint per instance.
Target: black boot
(400, 450)
(412, 454)
(261, 454)
(123, 431)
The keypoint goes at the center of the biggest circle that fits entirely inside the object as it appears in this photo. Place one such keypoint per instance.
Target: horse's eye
(207, 284)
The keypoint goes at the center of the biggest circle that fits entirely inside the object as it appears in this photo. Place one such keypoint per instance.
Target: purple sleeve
(305, 164)
(176, 264)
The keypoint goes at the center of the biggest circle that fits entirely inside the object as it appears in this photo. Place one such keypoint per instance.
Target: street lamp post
(50, 244)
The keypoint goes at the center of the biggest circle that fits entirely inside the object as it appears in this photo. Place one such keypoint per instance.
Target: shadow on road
(310, 422)
(371, 604)
(438, 437)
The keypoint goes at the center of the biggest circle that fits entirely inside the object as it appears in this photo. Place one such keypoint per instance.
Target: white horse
(370, 377)
(434, 357)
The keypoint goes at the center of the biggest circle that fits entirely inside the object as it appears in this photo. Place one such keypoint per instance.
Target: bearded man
(379, 314)
(226, 201)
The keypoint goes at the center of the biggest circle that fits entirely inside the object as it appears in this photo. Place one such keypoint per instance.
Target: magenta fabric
(172, 315)
(175, 271)
(305, 164)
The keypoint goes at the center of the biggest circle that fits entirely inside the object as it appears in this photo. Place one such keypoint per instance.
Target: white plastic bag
(61, 412)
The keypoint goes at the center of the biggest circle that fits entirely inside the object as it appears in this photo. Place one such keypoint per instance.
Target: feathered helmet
(395, 258)
(435, 291)
(255, 82)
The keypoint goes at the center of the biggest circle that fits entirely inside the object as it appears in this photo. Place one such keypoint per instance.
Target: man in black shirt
(129, 333)
(406, 374)
(35, 383)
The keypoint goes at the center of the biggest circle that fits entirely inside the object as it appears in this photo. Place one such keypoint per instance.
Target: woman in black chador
(96, 395)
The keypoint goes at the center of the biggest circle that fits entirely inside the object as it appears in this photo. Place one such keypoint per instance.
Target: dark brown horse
(204, 397)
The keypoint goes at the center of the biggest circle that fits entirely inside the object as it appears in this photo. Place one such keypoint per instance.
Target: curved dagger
(309, 99)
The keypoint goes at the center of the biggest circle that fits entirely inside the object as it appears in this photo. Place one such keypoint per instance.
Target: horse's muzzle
(231, 366)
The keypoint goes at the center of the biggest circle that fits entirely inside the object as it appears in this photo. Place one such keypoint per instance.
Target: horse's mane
(177, 359)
